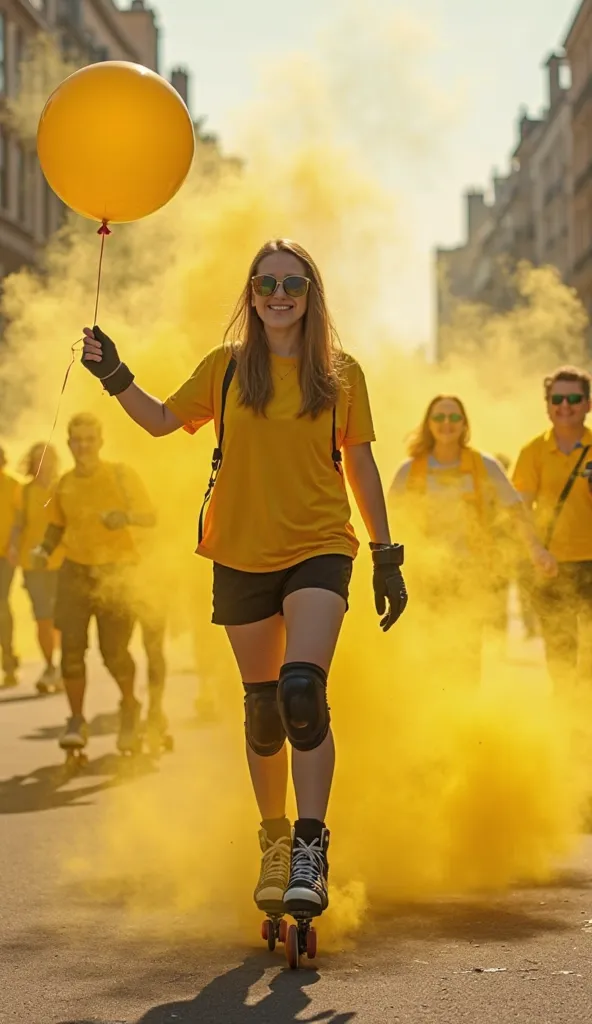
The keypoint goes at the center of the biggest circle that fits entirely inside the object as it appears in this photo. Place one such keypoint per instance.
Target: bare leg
(313, 622)
(259, 650)
(46, 638)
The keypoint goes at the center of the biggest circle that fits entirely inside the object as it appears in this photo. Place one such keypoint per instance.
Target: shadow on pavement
(468, 921)
(20, 699)
(41, 790)
(101, 725)
(224, 999)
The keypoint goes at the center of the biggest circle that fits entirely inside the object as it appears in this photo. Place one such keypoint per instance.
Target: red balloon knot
(104, 229)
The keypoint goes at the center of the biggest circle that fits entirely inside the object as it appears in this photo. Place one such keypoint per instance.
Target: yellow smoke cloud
(440, 788)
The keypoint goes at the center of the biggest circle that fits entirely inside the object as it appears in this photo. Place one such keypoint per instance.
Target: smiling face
(568, 414)
(280, 311)
(446, 422)
(85, 443)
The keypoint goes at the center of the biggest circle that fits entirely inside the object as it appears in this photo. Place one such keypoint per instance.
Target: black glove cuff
(387, 554)
(52, 538)
(118, 381)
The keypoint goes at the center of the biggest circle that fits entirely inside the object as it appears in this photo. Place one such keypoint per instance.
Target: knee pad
(302, 700)
(73, 665)
(263, 725)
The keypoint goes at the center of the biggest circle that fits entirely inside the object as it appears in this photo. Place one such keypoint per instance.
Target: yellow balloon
(115, 141)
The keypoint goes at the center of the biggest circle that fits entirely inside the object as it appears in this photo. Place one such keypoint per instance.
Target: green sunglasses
(574, 399)
(265, 285)
(441, 417)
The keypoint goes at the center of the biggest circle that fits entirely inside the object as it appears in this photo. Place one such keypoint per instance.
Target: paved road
(77, 950)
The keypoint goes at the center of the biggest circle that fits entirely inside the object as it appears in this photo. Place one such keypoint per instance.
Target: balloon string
(103, 232)
(75, 348)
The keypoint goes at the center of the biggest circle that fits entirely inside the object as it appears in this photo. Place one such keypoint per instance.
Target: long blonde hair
(319, 365)
(50, 461)
(421, 441)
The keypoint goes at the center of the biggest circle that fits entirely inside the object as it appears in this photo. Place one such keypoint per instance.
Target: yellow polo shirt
(542, 470)
(278, 499)
(10, 504)
(79, 504)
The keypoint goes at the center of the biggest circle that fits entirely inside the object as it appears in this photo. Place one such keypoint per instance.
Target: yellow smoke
(440, 787)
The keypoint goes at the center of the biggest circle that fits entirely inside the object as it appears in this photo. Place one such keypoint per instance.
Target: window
(48, 202)
(2, 52)
(21, 184)
(19, 56)
(3, 169)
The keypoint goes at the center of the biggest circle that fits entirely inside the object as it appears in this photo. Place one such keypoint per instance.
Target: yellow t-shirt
(278, 499)
(543, 470)
(10, 504)
(79, 504)
(36, 516)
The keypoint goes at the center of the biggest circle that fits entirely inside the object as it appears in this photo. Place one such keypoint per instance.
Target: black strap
(335, 454)
(217, 453)
(564, 496)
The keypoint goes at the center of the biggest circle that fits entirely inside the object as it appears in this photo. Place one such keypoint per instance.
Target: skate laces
(276, 859)
(308, 862)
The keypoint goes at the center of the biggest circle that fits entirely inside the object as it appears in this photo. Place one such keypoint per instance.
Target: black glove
(388, 582)
(115, 520)
(114, 375)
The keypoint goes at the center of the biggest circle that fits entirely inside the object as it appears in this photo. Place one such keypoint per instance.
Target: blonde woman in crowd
(456, 497)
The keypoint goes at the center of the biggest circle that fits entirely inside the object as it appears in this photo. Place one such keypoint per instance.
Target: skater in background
(91, 513)
(454, 496)
(553, 475)
(278, 531)
(41, 468)
(10, 504)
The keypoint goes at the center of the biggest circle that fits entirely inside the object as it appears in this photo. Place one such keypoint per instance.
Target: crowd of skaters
(75, 538)
(282, 559)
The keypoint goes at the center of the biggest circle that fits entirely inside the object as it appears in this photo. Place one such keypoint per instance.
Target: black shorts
(243, 597)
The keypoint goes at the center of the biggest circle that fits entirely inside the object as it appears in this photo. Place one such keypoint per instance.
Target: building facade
(578, 50)
(529, 215)
(86, 31)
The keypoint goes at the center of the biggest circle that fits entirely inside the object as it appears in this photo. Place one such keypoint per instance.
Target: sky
(487, 56)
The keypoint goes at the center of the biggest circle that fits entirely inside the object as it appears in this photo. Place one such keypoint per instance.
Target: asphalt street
(69, 958)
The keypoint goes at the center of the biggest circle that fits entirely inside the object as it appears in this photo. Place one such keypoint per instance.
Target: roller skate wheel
(265, 930)
(292, 947)
(311, 944)
(283, 931)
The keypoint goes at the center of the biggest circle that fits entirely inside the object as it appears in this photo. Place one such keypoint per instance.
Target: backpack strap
(564, 496)
(217, 453)
(335, 454)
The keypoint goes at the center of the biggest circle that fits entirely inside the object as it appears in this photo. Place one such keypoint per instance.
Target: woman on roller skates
(41, 467)
(278, 532)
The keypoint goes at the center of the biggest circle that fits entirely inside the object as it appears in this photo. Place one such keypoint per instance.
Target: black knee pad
(302, 700)
(263, 725)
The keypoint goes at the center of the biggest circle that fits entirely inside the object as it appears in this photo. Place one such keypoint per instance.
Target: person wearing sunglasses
(278, 531)
(553, 476)
(455, 498)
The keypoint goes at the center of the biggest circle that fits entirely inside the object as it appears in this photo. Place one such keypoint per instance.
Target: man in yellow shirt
(553, 477)
(93, 508)
(10, 503)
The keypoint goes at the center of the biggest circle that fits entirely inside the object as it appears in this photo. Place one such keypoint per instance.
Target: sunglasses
(452, 417)
(266, 285)
(575, 399)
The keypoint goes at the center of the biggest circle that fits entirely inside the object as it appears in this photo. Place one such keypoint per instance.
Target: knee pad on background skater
(263, 725)
(302, 701)
(73, 665)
